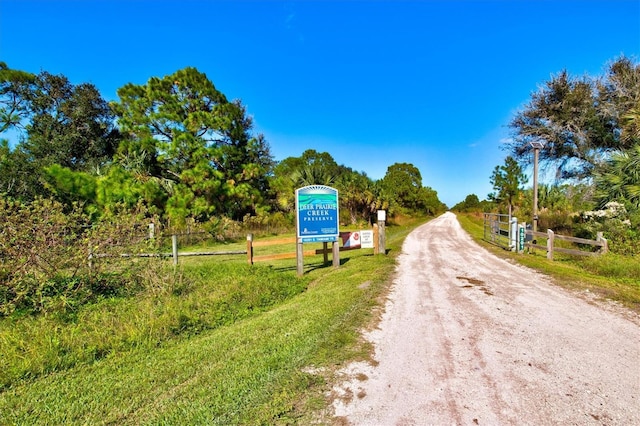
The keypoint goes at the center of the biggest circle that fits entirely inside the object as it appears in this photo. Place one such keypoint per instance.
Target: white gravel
(468, 338)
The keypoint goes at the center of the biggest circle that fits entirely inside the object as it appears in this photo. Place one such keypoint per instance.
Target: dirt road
(468, 338)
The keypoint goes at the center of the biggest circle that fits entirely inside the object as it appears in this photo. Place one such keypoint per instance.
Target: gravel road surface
(467, 338)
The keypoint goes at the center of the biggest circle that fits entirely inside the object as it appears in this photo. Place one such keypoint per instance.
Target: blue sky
(432, 83)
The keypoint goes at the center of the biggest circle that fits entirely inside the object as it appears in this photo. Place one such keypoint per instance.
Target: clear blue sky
(432, 83)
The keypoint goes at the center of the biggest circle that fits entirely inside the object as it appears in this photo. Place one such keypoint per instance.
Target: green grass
(204, 297)
(224, 344)
(609, 276)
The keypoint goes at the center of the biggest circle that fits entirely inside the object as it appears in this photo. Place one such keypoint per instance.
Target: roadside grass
(610, 276)
(225, 343)
(200, 297)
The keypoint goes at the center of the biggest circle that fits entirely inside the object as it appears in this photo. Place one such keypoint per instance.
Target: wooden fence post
(376, 243)
(382, 217)
(325, 252)
(250, 249)
(299, 257)
(550, 236)
(174, 248)
(600, 238)
(336, 254)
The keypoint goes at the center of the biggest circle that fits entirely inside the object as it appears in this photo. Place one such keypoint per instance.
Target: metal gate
(501, 229)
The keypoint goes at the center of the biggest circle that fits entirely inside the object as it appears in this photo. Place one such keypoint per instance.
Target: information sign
(317, 213)
(366, 239)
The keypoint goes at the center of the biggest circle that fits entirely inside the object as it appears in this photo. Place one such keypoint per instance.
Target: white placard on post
(366, 239)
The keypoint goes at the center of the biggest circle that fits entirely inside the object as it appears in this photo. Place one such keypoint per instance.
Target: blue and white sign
(317, 213)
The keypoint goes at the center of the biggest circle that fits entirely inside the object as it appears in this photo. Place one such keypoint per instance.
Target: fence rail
(551, 247)
(251, 245)
(249, 252)
(504, 231)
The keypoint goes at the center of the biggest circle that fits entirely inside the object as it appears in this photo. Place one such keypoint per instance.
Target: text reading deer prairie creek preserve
(316, 212)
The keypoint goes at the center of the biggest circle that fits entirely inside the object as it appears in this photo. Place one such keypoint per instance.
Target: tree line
(175, 146)
(589, 128)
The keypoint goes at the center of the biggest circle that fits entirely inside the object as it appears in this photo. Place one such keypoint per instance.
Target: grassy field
(609, 276)
(221, 342)
(224, 343)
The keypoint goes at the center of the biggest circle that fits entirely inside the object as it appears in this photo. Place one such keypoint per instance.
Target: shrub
(52, 259)
(559, 221)
(269, 223)
(615, 223)
(37, 248)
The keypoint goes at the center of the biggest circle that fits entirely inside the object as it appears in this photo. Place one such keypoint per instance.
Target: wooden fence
(249, 252)
(252, 245)
(174, 253)
(551, 246)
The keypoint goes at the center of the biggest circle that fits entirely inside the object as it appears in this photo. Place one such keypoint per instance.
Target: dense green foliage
(591, 134)
(360, 197)
(619, 179)
(403, 185)
(472, 203)
(46, 253)
(175, 145)
(15, 87)
(181, 130)
(59, 124)
(507, 181)
(580, 120)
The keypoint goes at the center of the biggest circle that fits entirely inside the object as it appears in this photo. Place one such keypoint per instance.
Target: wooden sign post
(382, 217)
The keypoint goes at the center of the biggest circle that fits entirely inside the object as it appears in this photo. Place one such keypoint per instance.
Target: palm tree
(631, 124)
(619, 180)
(313, 174)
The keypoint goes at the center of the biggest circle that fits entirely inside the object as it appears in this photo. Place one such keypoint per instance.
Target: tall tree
(15, 88)
(580, 119)
(311, 168)
(57, 123)
(429, 202)
(470, 203)
(181, 128)
(402, 184)
(19, 177)
(71, 125)
(507, 181)
(360, 197)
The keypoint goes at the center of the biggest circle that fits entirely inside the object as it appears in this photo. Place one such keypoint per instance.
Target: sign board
(521, 237)
(366, 239)
(317, 214)
(382, 215)
(350, 239)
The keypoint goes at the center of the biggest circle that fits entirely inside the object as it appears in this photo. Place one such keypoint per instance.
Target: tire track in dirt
(468, 338)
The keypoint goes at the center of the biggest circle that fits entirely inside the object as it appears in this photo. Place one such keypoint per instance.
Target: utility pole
(537, 146)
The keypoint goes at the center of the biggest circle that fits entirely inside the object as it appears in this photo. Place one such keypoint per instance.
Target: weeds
(53, 260)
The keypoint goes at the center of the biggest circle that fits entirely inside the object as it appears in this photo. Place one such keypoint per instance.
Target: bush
(559, 221)
(52, 259)
(37, 247)
(615, 223)
(269, 223)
